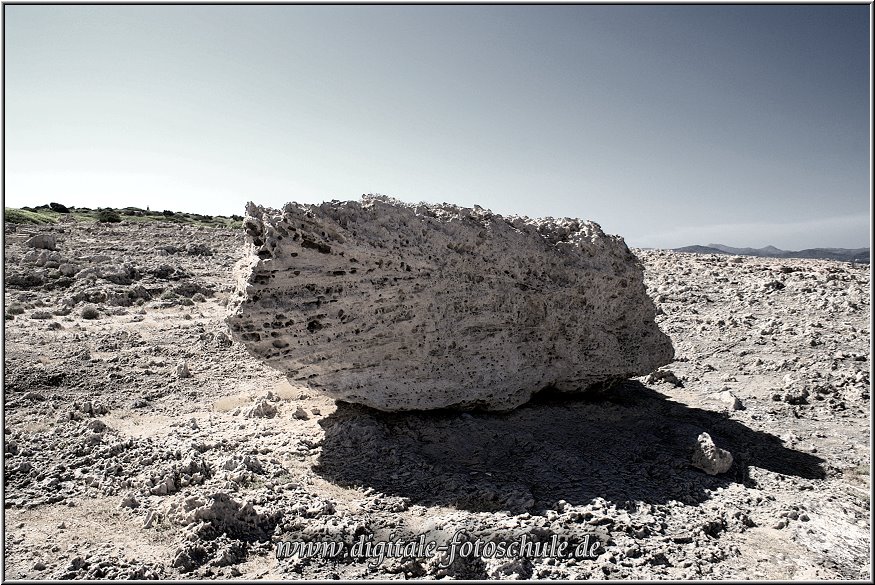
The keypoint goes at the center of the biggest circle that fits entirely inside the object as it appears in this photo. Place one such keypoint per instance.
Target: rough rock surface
(408, 307)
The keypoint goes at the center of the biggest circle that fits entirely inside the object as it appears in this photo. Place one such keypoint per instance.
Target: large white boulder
(403, 307)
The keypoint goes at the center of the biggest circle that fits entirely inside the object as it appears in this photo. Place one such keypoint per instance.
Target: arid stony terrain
(142, 442)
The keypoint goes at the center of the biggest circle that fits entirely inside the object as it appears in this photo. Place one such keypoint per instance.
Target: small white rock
(710, 458)
(182, 370)
(129, 501)
(730, 399)
(262, 409)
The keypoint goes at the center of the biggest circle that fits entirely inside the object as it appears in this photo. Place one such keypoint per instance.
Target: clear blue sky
(668, 125)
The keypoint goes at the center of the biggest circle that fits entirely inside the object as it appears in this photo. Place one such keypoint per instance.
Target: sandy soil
(145, 443)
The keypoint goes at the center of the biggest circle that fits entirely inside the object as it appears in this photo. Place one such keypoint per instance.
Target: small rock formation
(43, 241)
(182, 370)
(710, 458)
(660, 376)
(404, 307)
(262, 409)
(731, 401)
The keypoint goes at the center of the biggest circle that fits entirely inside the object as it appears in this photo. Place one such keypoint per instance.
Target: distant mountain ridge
(840, 254)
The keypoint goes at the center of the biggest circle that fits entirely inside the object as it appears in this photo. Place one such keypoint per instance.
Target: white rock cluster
(404, 307)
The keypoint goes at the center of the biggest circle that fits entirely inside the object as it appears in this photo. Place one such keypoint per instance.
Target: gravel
(157, 475)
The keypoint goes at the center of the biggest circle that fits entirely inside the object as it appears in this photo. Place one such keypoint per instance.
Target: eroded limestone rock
(403, 307)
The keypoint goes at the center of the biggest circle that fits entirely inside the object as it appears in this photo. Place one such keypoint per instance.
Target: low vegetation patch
(12, 215)
(90, 312)
(53, 212)
(108, 216)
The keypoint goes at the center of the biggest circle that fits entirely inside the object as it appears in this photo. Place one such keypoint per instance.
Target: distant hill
(840, 254)
(700, 250)
(767, 251)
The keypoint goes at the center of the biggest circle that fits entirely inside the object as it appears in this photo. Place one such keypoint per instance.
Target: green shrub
(108, 216)
(90, 312)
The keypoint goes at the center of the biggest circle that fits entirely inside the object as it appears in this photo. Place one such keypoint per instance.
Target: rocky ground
(140, 441)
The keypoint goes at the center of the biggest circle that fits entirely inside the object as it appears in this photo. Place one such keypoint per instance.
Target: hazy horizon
(730, 243)
(744, 125)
